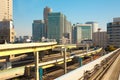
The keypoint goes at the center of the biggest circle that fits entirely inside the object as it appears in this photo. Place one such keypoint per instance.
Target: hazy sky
(81, 11)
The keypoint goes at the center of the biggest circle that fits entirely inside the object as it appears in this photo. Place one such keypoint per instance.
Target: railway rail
(101, 69)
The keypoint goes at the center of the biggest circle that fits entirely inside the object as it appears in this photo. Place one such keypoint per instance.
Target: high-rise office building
(6, 12)
(113, 31)
(82, 32)
(7, 32)
(38, 30)
(45, 15)
(56, 25)
(94, 26)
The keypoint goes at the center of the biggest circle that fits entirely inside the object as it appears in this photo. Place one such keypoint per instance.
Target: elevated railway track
(99, 69)
(108, 69)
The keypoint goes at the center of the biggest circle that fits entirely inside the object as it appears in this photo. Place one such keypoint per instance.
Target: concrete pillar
(40, 73)
(87, 48)
(27, 71)
(36, 65)
(7, 58)
(61, 53)
(41, 55)
(65, 64)
(91, 58)
(12, 56)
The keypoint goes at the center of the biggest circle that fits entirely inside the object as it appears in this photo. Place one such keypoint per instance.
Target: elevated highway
(12, 49)
(43, 65)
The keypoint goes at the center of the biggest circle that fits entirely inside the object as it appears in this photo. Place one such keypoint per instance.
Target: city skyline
(76, 12)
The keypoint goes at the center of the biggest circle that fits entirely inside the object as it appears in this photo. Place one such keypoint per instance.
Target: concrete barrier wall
(78, 73)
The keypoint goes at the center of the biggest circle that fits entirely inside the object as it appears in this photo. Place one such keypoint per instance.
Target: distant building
(68, 32)
(94, 26)
(45, 15)
(100, 39)
(27, 39)
(82, 32)
(117, 19)
(73, 34)
(113, 31)
(7, 32)
(56, 26)
(6, 12)
(38, 30)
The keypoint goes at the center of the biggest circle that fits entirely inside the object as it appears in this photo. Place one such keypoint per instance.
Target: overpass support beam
(91, 58)
(63, 52)
(8, 59)
(65, 64)
(36, 65)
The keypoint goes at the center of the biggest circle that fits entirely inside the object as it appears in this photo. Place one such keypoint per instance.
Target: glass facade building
(38, 30)
(56, 24)
(82, 32)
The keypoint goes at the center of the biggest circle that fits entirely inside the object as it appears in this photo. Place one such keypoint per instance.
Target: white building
(82, 32)
(94, 26)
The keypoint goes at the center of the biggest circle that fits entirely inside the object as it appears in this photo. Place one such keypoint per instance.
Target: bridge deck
(11, 49)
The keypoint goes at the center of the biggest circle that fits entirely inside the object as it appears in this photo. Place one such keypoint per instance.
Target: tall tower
(56, 25)
(38, 28)
(45, 14)
(6, 12)
(7, 32)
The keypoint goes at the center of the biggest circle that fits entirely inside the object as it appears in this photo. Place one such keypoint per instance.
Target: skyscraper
(7, 32)
(113, 31)
(6, 12)
(38, 30)
(45, 15)
(56, 25)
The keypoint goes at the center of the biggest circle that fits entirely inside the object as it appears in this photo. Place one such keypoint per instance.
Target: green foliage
(110, 48)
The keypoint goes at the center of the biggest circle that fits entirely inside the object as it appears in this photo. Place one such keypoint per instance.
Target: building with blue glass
(38, 30)
(56, 25)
